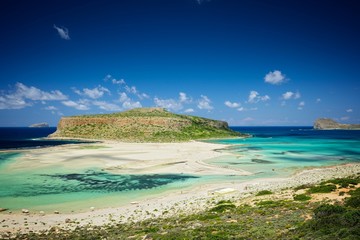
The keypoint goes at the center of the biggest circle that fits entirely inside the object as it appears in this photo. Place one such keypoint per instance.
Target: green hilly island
(142, 125)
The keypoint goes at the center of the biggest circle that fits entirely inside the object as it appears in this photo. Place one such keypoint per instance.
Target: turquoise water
(279, 151)
(271, 152)
(56, 187)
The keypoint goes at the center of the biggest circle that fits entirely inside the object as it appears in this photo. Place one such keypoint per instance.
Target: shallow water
(272, 152)
(279, 151)
(57, 187)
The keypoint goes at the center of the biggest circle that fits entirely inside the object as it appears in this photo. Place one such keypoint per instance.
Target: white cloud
(17, 99)
(12, 102)
(173, 104)
(170, 104)
(318, 100)
(127, 102)
(113, 80)
(345, 118)
(50, 108)
(189, 110)
(255, 97)
(242, 109)
(183, 98)
(287, 95)
(204, 103)
(128, 89)
(63, 32)
(301, 105)
(94, 93)
(131, 104)
(275, 77)
(123, 97)
(252, 96)
(34, 93)
(134, 91)
(349, 110)
(106, 106)
(265, 98)
(77, 105)
(232, 104)
(120, 81)
(291, 95)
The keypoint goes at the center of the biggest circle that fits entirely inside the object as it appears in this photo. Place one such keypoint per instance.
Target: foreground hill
(329, 124)
(143, 125)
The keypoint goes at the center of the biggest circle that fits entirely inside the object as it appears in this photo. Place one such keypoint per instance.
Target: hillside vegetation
(143, 125)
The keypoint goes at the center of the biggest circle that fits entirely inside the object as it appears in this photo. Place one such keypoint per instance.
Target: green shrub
(322, 189)
(304, 186)
(344, 182)
(355, 192)
(264, 192)
(351, 218)
(353, 201)
(325, 210)
(301, 197)
(223, 206)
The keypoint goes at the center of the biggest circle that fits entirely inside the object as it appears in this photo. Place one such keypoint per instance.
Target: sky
(247, 62)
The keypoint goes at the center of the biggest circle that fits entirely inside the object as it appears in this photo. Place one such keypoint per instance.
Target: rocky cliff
(142, 125)
(329, 124)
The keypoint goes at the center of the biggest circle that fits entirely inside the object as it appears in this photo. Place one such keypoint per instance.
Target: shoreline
(189, 201)
(153, 158)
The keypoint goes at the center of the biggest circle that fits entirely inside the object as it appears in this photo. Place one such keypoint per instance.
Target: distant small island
(143, 125)
(39, 125)
(329, 124)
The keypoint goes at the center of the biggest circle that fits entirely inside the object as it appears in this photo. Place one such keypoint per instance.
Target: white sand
(141, 158)
(132, 158)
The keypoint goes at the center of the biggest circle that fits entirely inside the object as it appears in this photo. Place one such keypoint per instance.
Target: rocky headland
(39, 125)
(142, 125)
(329, 124)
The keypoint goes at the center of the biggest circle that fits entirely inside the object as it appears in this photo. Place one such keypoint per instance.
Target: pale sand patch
(332, 196)
(153, 158)
(132, 158)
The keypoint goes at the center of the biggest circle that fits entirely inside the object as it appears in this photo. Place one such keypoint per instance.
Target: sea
(269, 152)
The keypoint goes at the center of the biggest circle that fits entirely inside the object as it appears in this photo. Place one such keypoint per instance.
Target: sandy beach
(149, 158)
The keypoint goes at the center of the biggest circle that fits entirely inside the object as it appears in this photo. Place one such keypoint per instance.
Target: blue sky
(248, 62)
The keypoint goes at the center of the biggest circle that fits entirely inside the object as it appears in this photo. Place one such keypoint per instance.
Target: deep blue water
(299, 132)
(25, 137)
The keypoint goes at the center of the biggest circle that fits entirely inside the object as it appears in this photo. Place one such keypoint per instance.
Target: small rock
(56, 212)
(68, 220)
(3, 209)
(92, 208)
(25, 210)
(42, 213)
